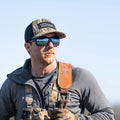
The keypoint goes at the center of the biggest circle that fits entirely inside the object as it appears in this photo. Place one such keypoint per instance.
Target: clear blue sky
(93, 36)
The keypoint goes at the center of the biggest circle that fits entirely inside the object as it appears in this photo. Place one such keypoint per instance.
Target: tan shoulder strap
(65, 75)
(64, 82)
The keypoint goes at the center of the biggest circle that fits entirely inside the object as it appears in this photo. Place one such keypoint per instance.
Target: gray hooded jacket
(84, 93)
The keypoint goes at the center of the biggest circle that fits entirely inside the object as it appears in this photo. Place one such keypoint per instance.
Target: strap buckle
(63, 98)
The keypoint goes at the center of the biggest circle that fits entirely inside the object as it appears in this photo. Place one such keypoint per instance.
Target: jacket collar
(22, 75)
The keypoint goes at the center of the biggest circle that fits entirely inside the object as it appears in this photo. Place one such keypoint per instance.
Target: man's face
(43, 54)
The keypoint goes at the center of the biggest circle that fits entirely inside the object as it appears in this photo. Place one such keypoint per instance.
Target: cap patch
(46, 24)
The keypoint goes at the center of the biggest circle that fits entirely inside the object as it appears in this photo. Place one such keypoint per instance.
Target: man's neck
(39, 70)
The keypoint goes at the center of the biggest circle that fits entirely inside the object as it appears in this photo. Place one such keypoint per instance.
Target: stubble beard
(47, 60)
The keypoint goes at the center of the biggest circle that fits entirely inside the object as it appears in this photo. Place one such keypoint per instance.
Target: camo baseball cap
(40, 27)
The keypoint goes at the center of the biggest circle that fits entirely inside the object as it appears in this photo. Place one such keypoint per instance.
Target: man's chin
(48, 61)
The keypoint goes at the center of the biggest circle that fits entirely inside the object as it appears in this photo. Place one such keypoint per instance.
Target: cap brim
(59, 34)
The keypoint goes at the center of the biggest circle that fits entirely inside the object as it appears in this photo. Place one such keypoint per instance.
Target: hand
(63, 114)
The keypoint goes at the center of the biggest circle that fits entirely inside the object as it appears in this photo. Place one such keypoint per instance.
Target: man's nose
(50, 44)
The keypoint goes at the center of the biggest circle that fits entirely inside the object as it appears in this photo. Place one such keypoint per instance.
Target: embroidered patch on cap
(46, 24)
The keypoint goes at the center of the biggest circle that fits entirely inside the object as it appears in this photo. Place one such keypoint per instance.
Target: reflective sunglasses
(45, 41)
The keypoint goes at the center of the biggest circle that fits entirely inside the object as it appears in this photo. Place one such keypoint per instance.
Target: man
(32, 85)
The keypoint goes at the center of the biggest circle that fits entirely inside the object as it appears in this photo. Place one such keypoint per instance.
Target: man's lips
(49, 53)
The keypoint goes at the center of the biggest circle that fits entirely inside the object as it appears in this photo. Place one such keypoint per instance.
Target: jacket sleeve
(6, 104)
(92, 98)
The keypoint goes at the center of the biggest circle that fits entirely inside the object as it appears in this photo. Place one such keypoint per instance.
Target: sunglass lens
(55, 42)
(42, 42)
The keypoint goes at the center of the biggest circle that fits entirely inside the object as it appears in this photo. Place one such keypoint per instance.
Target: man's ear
(27, 46)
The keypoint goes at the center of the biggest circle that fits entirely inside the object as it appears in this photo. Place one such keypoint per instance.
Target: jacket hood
(23, 74)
